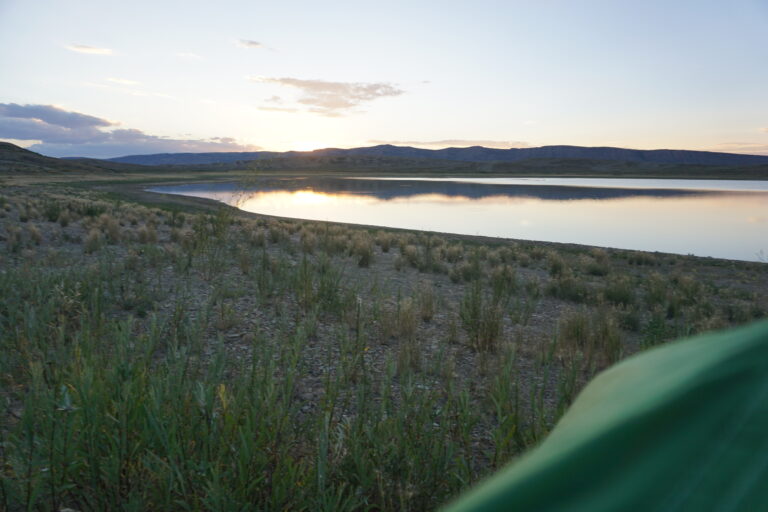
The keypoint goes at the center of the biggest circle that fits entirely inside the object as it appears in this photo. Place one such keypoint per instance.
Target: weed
(92, 241)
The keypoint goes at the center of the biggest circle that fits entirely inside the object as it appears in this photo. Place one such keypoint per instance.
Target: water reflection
(387, 189)
(719, 223)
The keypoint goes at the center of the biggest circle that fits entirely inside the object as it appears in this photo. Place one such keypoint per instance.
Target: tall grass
(206, 362)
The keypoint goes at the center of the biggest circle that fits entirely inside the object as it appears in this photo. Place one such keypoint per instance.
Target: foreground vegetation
(159, 359)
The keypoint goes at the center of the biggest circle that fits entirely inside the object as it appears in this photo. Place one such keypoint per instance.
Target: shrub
(620, 291)
(147, 234)
(567, 287)
(110, 227)
(557, 266)
(64, 217)
(308, 242)
(362, 249)
(454, 253)
(596, 335)
(425, 295)
(503, 282)
(594, 267)
(481, 318)
(34, 234)
(92, 241)
(384, 240)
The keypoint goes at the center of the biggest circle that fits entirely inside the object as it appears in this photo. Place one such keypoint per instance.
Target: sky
(105, 78)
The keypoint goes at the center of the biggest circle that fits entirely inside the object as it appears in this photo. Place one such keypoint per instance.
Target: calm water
(724, 219)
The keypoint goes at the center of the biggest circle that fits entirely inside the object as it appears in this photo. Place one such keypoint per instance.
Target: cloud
(66, 133)
(764, 129)
(333, 99)
(83, 48)
(455, 143)
(49, 123)
(247, 43)
(749, 148)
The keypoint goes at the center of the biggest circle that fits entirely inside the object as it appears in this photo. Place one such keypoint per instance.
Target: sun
(307, 145)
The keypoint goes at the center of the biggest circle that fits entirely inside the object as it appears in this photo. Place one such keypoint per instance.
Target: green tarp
(683, 427)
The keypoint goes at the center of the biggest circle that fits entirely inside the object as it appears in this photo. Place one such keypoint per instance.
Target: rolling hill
(367, 161)
(470, 154)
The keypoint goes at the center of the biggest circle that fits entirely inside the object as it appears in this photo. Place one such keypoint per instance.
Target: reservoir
(717, 218)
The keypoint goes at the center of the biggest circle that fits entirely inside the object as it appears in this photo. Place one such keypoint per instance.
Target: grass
(156, 358)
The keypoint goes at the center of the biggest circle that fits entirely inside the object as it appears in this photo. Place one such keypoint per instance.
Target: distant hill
(471, 154)
(365, 161)
(16, 160)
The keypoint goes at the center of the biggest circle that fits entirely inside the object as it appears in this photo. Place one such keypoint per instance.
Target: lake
(718, 218)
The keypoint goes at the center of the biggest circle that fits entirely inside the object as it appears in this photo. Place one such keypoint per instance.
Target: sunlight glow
(307, 145)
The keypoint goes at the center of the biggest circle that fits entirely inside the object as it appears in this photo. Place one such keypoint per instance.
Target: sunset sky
(110, 78)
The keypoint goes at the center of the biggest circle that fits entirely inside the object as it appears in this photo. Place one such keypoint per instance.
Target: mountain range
(470, 154)
(376, 160)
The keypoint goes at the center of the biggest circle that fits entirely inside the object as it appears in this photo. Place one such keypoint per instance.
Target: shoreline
(138, 190)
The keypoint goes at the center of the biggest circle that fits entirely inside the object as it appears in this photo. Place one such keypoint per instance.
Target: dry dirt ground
(456, 311)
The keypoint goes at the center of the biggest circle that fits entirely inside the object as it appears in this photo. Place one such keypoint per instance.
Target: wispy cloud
(93, 50)
(67, 133)
(249, 43)
(122, 81)
(750, 148)
(332, 98)
(764, 129)
(455, 143)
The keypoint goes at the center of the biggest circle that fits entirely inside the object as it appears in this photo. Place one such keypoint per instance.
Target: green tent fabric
(683, 427)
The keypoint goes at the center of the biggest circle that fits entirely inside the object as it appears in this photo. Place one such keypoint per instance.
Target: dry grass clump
(481, 317)
(14, 240)
(244, 259)
(308, 241)
(384, 240)
(556, 264)
(466, 271)
(537, 253)
(656, 289)
(400, 319)
(642, 258)
(65, 217)
(92, 241)
(409, 354)
(362, 249)
(620, 291)
(34, 234)
(503, 281)
(596, 263)
(110, 227)
(594, 337)
(176, 235)
(147, 234)
(454, 253)
(568, 287)
(507, 253)
(411, 255)
(425, 297)
(276, 233)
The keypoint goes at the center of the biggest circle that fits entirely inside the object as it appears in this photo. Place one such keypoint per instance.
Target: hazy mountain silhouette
(471, 154)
